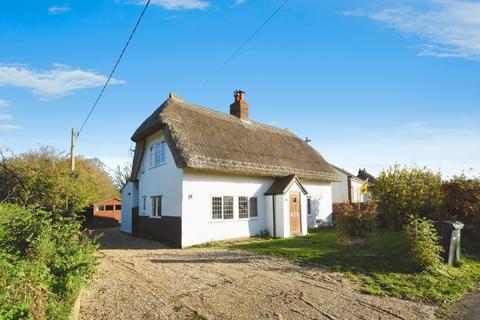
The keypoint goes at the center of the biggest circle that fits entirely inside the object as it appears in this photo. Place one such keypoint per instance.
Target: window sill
(159, 165)
(248, 219)
(222, 221)
(152, 217)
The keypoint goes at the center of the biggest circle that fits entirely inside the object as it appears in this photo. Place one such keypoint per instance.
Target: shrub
(402, 190)
(43, 178)
(356, 220)
(462, 203)
(423, 242)
(44, 258)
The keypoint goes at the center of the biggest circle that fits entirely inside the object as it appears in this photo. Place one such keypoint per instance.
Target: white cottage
(348, 189)
(201, 175)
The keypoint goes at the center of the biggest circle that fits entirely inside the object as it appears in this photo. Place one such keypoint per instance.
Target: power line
(236, 52)
(114, 67)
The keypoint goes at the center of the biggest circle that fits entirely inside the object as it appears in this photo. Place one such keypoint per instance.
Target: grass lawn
(382, 267)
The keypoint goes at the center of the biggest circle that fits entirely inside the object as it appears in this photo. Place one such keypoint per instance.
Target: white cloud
(450, 28)
(5, 116)
(5, 127)
(238, 2)
(179, 4)
(51, 84)
(54, 10)
(4, 103)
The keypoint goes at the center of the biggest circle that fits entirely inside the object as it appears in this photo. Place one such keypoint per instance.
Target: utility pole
(72, 155)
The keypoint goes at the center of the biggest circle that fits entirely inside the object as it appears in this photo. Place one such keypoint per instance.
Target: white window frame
(222, 219)
(154, 213)
(248, 208)
(156, 160)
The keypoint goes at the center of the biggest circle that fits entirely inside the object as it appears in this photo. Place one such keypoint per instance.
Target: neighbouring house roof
(363, 174)
(348, 174)
(204, 139)
(283, 184)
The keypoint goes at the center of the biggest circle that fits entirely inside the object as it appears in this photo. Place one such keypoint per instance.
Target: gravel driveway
(141, 279)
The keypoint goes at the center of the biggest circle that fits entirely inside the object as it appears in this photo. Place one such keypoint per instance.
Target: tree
(462, 203)
(122, 175)
(403, 191)
(42, 178)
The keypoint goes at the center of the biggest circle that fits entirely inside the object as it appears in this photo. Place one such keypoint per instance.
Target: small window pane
(109, 208)
(309, 206)
(228, 207)
(216, 208)
(253, 207)
(118, 207)
(144, 207)
(243, 207)
(101, 208)
(163, 154)
(157, 206)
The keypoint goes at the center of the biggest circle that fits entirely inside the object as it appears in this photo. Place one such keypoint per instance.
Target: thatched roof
(205, 139)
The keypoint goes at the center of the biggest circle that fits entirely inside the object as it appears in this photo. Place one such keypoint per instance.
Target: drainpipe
(274, 214)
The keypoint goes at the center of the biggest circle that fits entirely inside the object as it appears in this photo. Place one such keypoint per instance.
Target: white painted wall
(356, 186)
(321, 201)
(198, 188)
(164, 180)
(340, 189)
(127, 205)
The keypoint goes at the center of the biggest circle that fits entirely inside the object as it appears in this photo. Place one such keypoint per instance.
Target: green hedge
(44, 259)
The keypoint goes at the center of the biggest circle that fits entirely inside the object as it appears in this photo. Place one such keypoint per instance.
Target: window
(242, 207)
(216, 208)
(222, 208)
(158, 154)
(118, 207)
(157, 206)
(253, 207)
(144, 204)
(228, 207)
(108, 208)
(101, 208)
(309, 206)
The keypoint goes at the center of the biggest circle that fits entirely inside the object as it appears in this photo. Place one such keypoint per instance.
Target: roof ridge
(229, 117)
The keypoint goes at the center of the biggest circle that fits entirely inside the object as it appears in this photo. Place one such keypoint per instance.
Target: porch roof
(282, 184)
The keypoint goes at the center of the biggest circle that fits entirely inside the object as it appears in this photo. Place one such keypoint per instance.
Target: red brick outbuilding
(107, 212)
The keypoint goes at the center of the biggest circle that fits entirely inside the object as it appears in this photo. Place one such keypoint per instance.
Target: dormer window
(158, 154)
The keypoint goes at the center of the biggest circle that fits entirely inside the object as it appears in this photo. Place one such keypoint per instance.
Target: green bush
(423, 242)
(43, 178)
(400, 191)
(356, 220)
(44, 259)
(462, 203)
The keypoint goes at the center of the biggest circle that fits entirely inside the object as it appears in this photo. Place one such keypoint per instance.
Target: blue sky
(371, 83)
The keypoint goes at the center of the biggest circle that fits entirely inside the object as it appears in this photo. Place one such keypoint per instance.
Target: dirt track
(140, 279)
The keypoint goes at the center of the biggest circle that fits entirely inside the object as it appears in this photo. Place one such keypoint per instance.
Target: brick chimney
(239, 108)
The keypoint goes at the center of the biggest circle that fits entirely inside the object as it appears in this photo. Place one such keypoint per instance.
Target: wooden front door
(295, 215)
